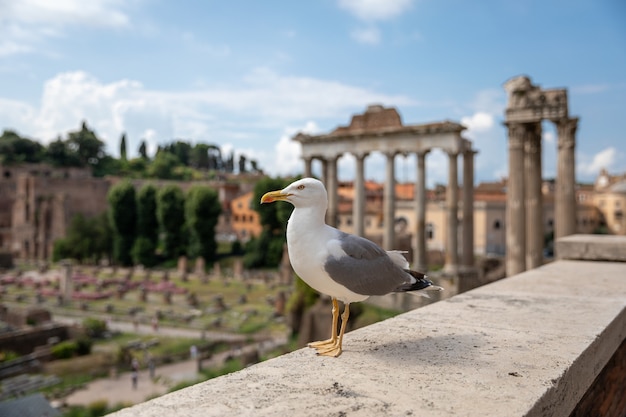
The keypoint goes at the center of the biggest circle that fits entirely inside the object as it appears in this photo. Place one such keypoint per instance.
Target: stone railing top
(528, 345)
(592, 248)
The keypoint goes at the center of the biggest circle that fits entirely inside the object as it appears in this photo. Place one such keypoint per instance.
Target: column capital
(533, 144)
(517, 134)
(566, 129)
(360, 155)
(422, 153)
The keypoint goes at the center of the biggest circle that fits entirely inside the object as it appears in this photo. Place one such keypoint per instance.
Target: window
(430, 231)
(497, 225)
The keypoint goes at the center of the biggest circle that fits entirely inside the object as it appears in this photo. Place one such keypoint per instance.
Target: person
(151, 366)
(193, 351)
(135, 377)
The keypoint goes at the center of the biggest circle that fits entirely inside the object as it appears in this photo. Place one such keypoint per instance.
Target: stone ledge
(528, 345)
(592, 248)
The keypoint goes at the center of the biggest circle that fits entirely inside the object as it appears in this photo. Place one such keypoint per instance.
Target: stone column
(421, 262)
(331, 188)
(389, 203)
(324, 171)
(308, 163)
(452, 204)
(358, 204)
(565, 193)
(515, 213)
(533, 196)
(468, 208)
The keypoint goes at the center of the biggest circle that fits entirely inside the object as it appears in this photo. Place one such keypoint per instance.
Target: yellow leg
(335, 349)
(333, 330)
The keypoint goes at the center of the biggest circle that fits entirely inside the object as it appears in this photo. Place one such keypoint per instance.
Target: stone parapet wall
(528, 345)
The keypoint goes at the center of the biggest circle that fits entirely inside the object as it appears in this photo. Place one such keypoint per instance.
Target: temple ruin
(528, 105)
(380, 129)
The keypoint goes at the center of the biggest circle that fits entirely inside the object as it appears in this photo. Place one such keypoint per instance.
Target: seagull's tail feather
(419, 282)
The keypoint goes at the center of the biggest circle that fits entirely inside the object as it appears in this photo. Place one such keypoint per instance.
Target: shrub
(94, 327)
(98, 408)
(64, 350)
(83, 346)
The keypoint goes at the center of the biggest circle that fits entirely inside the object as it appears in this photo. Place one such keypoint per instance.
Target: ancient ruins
(380, 129)
(528, 105)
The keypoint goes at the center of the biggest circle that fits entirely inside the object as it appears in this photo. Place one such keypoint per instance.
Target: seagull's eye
(300, 187)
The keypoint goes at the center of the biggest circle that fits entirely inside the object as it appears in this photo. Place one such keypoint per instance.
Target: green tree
(202, 208)
(107, 165)
(163, 166)
(147, 227)
(171, 216)
(272, 216)
(266, 250)
(87, 239)
(123, 147)
(143, 150)
(123, 215)
(180, 149)
(59, 154)
(16, 149)
(86, 145)
(199, 156)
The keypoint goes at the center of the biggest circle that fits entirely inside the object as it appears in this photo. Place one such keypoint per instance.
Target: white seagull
(345, 267)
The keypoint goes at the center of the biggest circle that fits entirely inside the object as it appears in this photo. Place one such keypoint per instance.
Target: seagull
(346, 267)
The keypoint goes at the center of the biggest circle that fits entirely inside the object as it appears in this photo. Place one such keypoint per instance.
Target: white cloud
(478, 122)
(603, 159)
(253, 114)
(371, 10)
(548, 137)
(287, 156)
(488, 136)
(369, 36)
(490, 100)
(26, 24)
(63, 12)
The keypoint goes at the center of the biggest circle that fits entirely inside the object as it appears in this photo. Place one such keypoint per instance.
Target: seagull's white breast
(309, 246)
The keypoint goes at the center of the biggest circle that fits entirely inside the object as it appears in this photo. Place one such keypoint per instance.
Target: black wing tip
(421, 283)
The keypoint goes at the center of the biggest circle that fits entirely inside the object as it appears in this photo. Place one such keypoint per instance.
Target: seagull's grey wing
(366, 269)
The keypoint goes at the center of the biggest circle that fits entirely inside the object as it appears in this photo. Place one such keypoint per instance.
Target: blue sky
(248, 75)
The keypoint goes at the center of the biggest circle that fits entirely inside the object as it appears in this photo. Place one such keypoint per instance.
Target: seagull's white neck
(311, 215)
(304, 219)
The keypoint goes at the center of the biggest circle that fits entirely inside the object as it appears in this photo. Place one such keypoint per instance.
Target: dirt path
(120, 389)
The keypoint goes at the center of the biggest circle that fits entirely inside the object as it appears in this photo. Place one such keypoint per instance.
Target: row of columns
(329, 172)
(524, 213)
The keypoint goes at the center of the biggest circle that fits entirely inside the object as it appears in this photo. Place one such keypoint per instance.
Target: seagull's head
(302, 193)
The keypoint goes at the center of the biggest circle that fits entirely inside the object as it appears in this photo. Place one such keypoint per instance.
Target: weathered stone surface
(528, 345)
(592, 248)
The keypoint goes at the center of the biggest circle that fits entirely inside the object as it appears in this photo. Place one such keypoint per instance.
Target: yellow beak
(274, 196)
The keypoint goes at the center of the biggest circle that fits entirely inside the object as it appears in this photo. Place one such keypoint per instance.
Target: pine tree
(123, 147)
